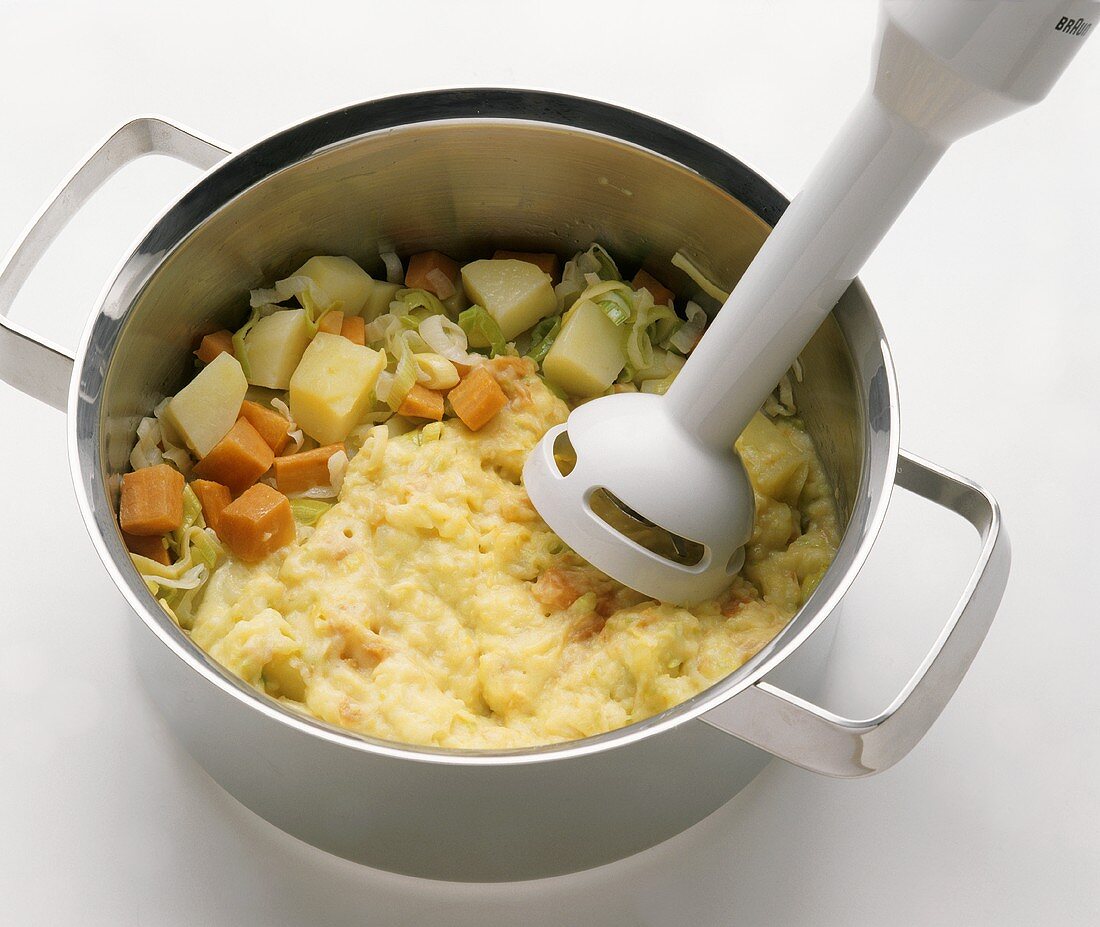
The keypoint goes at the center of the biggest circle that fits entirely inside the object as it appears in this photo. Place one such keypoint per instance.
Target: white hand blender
(944, 69)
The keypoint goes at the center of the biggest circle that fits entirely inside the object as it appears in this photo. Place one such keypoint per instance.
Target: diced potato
(515, 293)
(213, 497)
(304, 470)
(477, 399)
(587, 355)
(545, 261)
(273, 428)
(341, 279)
(777, 467)
(238, 459)
(422, 402)
(274, 347)
(379, 298)
(214, 344)
(202, 413)
(257, 523)
(151, 502)
(661, 294)
(333, 386)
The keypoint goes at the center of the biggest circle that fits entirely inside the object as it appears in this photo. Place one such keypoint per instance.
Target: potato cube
(587, 355)
(275, 345)
(333, 386)
(515, 293)
(341, 279)
(205, 409)
(257, 523)
(545, 261)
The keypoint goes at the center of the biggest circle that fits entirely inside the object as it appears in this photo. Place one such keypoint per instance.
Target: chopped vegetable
(331, 322)
(238, 460)
(436, 372)
(477, 399)
(333, 386)
(206, 408)
(273, 427)
(274, 345)
(299, 472)
(587, 355)
(152, 547)
(394, 388)
(394, 272)
(213, 497)
(151, 501)
(421, 402)
(482, 329)
(543, 336)
(354, 329)
(661, 294)
(214, 344)
(681, 260)
(448, 340)
(515, 293)
(434, 272)
(378, 302)
(342, 281)
(307, 511)
(257, 523)
(687, 336)
(545, 261)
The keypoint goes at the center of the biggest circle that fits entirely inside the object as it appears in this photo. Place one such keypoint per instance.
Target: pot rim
(238, 172)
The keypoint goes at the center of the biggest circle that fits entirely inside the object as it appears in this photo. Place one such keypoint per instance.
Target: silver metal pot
(464, 171)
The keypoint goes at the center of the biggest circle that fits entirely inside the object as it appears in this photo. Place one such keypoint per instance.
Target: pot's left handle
(28, 362)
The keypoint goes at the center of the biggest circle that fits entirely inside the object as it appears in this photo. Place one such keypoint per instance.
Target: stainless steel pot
(464, 171)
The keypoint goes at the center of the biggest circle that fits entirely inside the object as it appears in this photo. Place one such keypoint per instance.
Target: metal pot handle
(813, 738)
(28, 362)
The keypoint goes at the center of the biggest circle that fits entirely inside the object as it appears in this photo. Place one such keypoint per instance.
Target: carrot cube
(273, 427)
(256, 523)
(213, 497)
(477, 399)
(238, 459)
(355, 329)
(214, 344)
(302, 471)
(151, 546)
(661, 294)
(419, 274)
(331, 322)
(544, 261)
(422, 402)
(152, 501)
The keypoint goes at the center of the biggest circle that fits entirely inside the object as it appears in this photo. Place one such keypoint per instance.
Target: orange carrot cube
(422, 402)
(238, 459)
(419, 274)
(661, 294)
(355, 329)
(213, 497)
(331, 322)
(214, 344)
(477, 399)
(273, 428)
(302, 471)
(257, 523)
(152, 501)
(544, 261)
(151, 546)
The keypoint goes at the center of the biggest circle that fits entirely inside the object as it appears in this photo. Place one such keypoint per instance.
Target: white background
(988, 291)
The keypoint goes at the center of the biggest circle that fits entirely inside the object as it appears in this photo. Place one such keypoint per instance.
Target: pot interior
(464, 186)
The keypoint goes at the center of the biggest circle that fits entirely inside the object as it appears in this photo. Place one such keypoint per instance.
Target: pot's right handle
(28, 362)
(815, 739)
